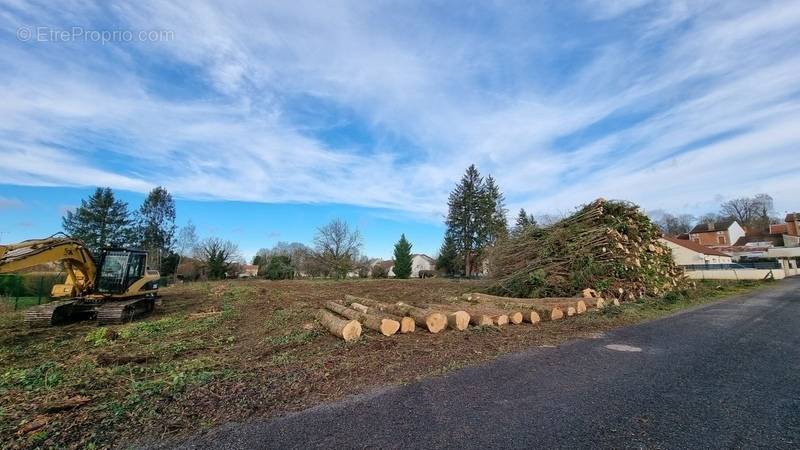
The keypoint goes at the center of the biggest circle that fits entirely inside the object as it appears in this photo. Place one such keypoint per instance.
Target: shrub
(279, 268)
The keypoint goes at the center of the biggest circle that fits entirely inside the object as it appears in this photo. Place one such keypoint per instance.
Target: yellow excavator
(116, 288)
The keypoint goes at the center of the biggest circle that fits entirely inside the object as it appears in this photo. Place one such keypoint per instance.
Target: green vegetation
(651, 308)
(402, 258)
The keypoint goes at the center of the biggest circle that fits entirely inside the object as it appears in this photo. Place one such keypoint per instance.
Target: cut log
(349, 330)
(385, 326)
(500, 319)
(515, 317)
(531, 317)
(458, 320)
(433, 321)
(598, 303)
(589, 293)
(481, 315)
(544, 308)
(359, 307)
(407, 324)
(480, 320)
(546, 312)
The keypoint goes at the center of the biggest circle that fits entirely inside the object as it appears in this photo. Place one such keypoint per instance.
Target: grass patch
(294, 337)
(651, 308)
(149, 329)
(42, 377)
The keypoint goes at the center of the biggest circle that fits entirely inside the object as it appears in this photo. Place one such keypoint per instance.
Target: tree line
(336, 253)
(104, 221)
(755, 213)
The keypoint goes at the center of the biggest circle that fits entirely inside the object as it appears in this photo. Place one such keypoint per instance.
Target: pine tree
(464, 221)
(476, 217)
(524, 222)
(402, 258)
(494, 211)
(156, 225)
(448, 260)
(101, 221)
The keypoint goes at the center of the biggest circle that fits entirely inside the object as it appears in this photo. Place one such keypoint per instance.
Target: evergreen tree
(448, 260)
(524, 222)
(279, 268)
(494, 211)
(101, 221)
(476, 217)
(402, 258)
(156, 226)
(464, 221)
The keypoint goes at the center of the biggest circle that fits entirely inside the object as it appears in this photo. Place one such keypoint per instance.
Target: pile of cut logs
(346, 319)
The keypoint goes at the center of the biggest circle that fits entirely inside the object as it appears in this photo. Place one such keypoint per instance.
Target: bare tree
(709, 217)
(337, 247)
(742, 209)
(753, 212)
(675, 225)
(218, 256)
(187, 240)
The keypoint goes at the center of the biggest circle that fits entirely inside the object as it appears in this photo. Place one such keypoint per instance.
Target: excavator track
(53, 313)
(122, 311)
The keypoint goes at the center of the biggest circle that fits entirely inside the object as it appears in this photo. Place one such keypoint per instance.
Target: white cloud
(257, 84)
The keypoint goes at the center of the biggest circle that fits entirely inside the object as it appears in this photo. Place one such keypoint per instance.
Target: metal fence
(734, 266)
(23, 291)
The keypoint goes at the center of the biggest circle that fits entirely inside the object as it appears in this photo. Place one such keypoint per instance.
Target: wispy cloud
(667, 104)
(6, 203)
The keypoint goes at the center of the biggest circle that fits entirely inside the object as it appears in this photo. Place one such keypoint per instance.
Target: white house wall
(735, 231)
(420, 262)
(685, 257)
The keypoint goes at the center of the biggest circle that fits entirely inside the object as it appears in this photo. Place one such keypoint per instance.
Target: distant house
(778, 228)
(686, 253)
(713, 234)
(387, 266)
(419, 261)
(793, 224)
(248, 271)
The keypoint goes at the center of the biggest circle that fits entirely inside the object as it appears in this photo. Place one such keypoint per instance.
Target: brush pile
(607, 248)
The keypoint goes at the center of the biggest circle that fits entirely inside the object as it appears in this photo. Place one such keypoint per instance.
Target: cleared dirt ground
(175, 373)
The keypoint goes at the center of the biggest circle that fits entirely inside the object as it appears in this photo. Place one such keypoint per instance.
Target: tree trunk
(545, 309)
(598, 303)
(407, 324)
(531, 317)
(458, 320)
(349, 330)
(433, 321)
(385, 326)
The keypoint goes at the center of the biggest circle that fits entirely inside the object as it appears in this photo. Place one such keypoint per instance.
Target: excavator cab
(119, 269)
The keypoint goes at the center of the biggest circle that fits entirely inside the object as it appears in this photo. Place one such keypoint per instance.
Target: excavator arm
(77, 260)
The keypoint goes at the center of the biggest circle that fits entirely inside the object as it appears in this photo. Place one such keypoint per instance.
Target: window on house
(721, 239)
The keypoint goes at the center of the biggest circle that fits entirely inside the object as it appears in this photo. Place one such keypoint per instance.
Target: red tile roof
(694, 246)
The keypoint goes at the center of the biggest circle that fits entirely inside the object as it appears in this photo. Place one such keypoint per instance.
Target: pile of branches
(607, 246)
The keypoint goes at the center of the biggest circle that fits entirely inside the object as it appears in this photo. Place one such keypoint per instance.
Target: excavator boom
(77, 259)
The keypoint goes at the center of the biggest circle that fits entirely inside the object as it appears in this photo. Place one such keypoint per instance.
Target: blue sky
(266, 119)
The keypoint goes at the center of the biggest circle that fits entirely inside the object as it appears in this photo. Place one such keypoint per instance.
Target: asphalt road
(726, 375)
